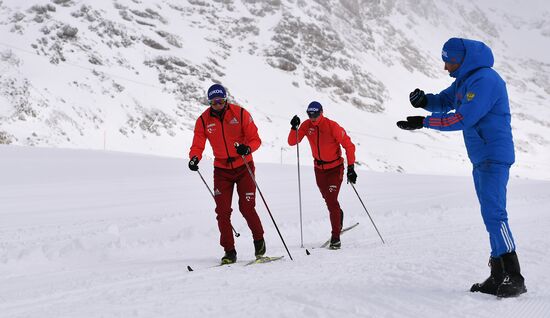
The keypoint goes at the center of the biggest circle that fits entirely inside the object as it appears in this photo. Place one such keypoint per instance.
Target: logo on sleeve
(470, 96)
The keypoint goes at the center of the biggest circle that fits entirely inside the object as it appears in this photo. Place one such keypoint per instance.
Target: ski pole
(265, 203)
(367, 213)
(299, 189)
(237, 234)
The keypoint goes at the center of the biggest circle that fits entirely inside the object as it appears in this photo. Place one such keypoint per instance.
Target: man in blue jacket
(477, 103)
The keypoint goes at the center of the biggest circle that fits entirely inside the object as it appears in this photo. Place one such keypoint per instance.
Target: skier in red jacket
(325, 137)
(224, 124)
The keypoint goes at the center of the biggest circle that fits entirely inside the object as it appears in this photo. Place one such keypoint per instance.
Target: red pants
(329, 182)
(224, 180)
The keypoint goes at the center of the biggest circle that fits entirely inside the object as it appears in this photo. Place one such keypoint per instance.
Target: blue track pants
(490, 179)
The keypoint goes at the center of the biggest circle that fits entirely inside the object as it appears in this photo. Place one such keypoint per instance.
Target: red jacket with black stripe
(235, 125)
(325, 137)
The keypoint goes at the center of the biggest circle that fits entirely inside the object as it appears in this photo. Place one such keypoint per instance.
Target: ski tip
(307, 252)
(189, 268)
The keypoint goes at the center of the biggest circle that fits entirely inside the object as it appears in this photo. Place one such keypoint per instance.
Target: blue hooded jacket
(479, 99)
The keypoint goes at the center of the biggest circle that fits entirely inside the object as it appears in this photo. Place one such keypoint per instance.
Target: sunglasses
(313, 115)
(217, 101)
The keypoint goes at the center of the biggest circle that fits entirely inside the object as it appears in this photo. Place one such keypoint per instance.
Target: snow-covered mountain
(131, 75)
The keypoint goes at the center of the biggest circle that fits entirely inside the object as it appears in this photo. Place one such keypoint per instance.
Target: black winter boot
(490, 285)
(230, 257)
(513, 284)
(335, 243)
(259, 248)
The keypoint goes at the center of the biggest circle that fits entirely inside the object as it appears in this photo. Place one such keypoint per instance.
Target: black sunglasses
(313, 115)
(217, 101)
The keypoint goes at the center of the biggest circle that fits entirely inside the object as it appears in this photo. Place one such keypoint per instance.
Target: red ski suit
(235, 125)
(325, 137)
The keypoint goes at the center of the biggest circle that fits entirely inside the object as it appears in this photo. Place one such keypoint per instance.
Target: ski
(344, 230)
(264, 259)
(225, 265)
(261, 260)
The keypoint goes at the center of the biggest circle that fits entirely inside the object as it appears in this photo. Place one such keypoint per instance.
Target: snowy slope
(131, 75)
(100, 234)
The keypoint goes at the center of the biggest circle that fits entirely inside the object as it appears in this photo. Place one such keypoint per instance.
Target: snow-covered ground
(100, 234)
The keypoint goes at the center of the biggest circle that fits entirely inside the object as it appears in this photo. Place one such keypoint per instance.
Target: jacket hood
(477, 55)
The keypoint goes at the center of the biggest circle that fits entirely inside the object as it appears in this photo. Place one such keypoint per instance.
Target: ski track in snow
(95, 234)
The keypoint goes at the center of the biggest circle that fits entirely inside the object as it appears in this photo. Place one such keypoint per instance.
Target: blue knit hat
(314, 107)
(453, 51)
(216, 91)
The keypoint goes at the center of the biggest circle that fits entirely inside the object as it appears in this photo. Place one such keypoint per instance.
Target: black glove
(295, 122)
(352, 176)
(418, 98)
(194, 163)
(242, 150)
(412, 123)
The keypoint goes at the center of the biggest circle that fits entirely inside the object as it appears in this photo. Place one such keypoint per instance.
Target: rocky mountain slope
(131, 75)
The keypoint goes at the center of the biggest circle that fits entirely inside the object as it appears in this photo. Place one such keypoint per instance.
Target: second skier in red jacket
(325, 137)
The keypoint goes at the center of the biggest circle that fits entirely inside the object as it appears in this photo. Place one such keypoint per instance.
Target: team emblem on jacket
(211, 128)
(311, 131)
(470, 96)
(233, 121)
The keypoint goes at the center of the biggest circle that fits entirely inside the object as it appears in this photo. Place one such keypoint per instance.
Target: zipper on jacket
(225, 143)
(319, 145)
